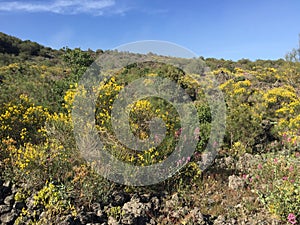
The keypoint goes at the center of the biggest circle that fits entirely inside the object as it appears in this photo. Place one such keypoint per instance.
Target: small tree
(78, 61)
(293, 56)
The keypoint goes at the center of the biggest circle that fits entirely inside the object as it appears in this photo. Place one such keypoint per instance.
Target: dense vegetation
(39, 154)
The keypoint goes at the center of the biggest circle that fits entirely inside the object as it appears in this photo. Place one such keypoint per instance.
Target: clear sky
(229, 29)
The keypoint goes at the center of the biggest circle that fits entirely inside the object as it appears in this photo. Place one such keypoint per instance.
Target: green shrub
(277, 182)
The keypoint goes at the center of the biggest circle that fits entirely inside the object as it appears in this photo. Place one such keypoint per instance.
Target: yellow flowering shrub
(140, 113)
(277, 96)
(38, 163)
(54, 199)
(108, 92)
(283, 105)
(266, 74)
(23, 121)
(290, 74)
(244, 110)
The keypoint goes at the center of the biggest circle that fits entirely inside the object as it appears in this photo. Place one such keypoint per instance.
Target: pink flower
(188, 159)
(157, 138)
(259, 166)
(291, 168)
(179, 162)
(178, 132)
(244, 176)
(284, 178)
(197, 155)
(275, 160)
(292, 218)
(215, 144)
(197, 133)
(297, 154)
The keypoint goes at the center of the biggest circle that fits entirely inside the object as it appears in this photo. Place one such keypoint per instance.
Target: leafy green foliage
(37, 88)
(78, 61)
(276, 180)
(15, 50)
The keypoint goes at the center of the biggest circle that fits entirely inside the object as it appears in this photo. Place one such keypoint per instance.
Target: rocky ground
(163, 208)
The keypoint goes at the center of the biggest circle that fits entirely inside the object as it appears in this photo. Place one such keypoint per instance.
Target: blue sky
(229, 29)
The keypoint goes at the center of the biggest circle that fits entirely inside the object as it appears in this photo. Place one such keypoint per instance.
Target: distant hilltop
(13, 49)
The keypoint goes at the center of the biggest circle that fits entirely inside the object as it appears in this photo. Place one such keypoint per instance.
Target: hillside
(13, 49)
(51, 173)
